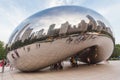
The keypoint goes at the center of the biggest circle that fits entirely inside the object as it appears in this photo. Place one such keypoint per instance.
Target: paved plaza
(102, 71)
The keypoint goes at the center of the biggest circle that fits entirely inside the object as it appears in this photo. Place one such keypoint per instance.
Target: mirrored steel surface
(54, 24)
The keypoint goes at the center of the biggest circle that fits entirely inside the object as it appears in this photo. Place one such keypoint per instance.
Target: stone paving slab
(100, 71)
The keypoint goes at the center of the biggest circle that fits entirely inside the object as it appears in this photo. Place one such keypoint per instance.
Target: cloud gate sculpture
(58, 33)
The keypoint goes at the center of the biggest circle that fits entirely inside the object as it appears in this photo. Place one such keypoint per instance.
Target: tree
(116, 52)
(2, 51)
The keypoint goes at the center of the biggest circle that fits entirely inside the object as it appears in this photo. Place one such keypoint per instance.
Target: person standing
(3, 65)
(73, 62)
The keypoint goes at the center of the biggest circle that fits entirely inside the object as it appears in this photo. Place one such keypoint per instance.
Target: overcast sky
(13, 12)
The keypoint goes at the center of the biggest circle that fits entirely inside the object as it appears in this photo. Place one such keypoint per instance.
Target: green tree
(2, 50)
(116, 52)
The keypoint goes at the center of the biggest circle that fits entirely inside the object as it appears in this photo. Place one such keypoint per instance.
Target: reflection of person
(16, 52)
(85, 37)
(82, 37)
(73, 62)
(24, 48)
(28, 48)
(88, 60)
(94, 37)
(7, 63)
(39, 45)
(13, 56)
(56, 66)
(53, 67)
(69, 40)
(90, 36)
(96, 55)
(11, 67)
(78, 39)
(59, 65)
(36, 45)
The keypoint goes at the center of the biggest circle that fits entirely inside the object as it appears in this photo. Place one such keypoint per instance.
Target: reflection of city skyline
(65, 28)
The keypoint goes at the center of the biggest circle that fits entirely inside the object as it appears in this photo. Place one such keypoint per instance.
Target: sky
(13, 12)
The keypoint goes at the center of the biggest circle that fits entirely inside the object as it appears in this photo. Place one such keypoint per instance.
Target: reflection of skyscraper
(26, 34)
(50, 30)
(109, 30)
(40, 33)
(83, 25)
(99, 28)
(64, 28)
(18, 35)
(102, 25)
(92, 22)
(32, 36)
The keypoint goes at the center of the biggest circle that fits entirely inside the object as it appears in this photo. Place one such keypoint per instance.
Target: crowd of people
(80, 38)
(56, 66)
(59, 65)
